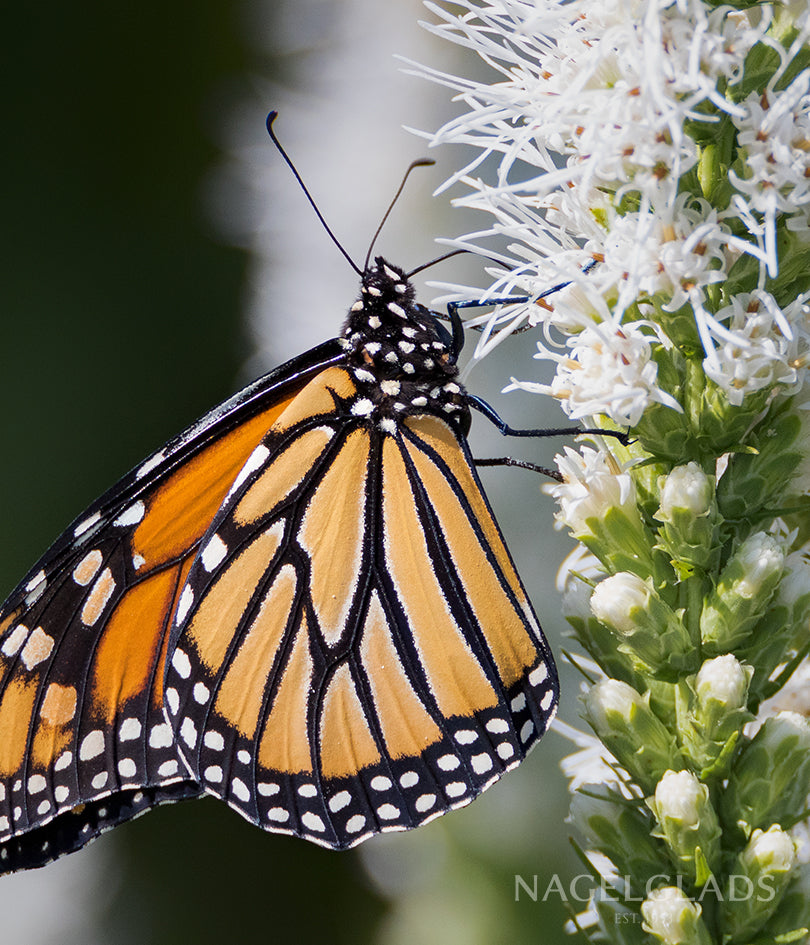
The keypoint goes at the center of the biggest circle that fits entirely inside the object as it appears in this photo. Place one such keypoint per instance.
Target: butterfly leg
(490, 413)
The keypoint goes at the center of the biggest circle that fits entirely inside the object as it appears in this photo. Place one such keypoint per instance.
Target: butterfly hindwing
(355, 652)
(85, 743)
(302, 605)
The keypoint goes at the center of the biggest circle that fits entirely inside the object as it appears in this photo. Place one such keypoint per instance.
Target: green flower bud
(743, 592)
(789, 921)
(673, 918)
(782, 631)
(624, 721)
(686, 489)
(597, 503)
(757, 883)
(579, 574)
(722, 423)
(650, 633)
(770, 779)
(688, 824)
(689, 514)
(712, 712)
(721, 686)
(756, 480)
(619, 830)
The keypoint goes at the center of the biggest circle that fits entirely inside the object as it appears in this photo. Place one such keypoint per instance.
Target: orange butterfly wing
(85, 743)
(354, 652)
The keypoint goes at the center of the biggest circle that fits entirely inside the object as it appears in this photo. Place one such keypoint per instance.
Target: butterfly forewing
(302, 605)
(355, 652)
(85, 743)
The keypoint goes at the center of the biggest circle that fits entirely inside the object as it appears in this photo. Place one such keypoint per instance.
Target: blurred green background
(128, 310)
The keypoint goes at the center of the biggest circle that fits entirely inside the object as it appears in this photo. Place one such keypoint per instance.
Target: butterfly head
(402, 357)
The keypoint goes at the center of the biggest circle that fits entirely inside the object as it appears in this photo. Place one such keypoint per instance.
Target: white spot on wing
(339, 801)
(35, 581)
(213, 740)
(150, 464)
(481, 763)
(132, 515)
(161, 736)
(255, 461)
(214, 553)
(184, 604)
(538, 675)
(181, 663)
(129, 730)
(172, 700)
(92, 745)
(87, 568)
(313, 822)
(127, 768)
(15, 640)
(87, 524)
(188, 732)
(63, 761)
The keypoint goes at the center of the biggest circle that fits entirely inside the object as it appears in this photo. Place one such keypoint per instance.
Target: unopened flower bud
(650, 633)
(743, 592)
(770, 779)
(598, 504)
(689, 514)
(712, 710)
(757, 882)
(722, 682)
(632, 732)
(673, 918)
(687, 822)
(686, 489)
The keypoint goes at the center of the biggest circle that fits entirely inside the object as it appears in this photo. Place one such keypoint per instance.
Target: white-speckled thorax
(400, 358)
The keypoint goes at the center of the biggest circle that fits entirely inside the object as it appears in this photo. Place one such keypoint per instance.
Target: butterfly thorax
(400, 359)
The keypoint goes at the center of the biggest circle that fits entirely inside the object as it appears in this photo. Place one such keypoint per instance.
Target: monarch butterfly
(301, 605)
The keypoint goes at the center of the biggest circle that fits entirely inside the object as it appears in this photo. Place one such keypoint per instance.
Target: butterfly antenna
(433, 262)
(270, 119)
(419, 162)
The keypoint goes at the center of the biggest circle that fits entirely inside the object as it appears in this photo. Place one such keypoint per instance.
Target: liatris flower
(651, 159)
